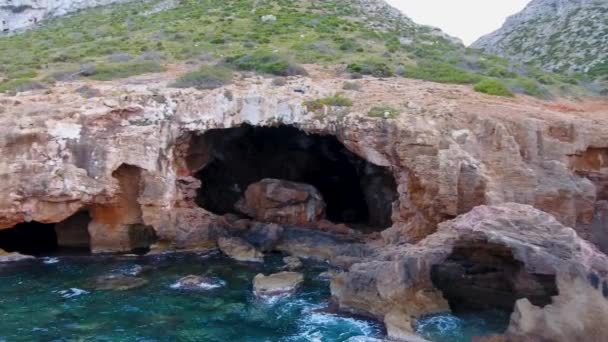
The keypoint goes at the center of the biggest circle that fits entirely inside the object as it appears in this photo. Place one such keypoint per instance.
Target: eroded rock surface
(517, 252)
(239, 249)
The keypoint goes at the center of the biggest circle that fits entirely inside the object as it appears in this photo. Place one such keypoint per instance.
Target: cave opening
(70, 236)
(482, 276)
(226, 161)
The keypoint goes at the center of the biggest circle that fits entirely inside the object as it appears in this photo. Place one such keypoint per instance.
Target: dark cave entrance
(70, 236)
(481, 276)
(228, 160)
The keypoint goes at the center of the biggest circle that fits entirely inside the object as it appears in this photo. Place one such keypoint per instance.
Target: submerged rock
(194, 282)
(276, 284)
(10, 257)
(116, 282)
(239, 249)
(281, 201)
(292, 263)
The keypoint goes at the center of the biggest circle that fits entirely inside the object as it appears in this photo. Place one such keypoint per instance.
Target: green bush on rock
(107, 72)
(336, 100)
(206, 77)
(492, 87)
(373, 67)
(267, 63)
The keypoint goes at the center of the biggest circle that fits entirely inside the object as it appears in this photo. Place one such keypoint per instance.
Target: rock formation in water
(412, 201)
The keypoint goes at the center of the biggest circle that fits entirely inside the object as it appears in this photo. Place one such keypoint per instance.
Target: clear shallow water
(49, 300)
(447, 327)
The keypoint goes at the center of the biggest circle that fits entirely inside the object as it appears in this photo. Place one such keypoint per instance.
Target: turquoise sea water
(52, 299)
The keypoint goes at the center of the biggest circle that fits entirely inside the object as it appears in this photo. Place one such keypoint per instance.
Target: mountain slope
(17, 15)
(268, 36)
(566, 36)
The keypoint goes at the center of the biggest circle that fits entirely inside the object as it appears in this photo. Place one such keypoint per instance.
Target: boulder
(195, 282)
(10, 257)
(276, 284)
(239, 249)
(281, 201)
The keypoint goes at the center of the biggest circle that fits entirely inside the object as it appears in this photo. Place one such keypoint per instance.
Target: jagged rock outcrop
(280, 201)
(17, 15)
(558, 35)
(517, 252)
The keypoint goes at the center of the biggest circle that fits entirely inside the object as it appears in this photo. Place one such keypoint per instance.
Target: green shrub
(336, 100)
(206, 77)
(267, 63)
(599, 70)
(527, 86)
(106, 72)
(372, 67)
(351, 86)
(492, 87)
(441, 72)
(383, 112)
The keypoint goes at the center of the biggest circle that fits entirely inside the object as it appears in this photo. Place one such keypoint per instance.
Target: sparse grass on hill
(122, 40)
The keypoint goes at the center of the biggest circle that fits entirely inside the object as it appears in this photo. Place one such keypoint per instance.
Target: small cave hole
(226, 161)
(70, 236)
(483, 276)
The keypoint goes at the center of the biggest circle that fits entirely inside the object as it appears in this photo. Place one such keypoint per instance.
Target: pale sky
(465, 19)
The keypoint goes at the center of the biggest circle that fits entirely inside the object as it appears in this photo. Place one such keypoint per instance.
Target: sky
(465, 19)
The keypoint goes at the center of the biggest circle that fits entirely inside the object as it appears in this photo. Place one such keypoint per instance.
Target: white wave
(217, 283)
(443, 323)
(50, 260)
(72, 292)
(314, 326)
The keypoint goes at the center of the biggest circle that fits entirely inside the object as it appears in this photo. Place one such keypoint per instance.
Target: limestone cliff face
(126, 157)
(21, 14)
(558, 35)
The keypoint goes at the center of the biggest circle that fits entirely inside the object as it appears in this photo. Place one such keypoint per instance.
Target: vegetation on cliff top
(271, 37)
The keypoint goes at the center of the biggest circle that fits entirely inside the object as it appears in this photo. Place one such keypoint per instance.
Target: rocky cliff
(558, 35)
(17, 15)
(135, 164)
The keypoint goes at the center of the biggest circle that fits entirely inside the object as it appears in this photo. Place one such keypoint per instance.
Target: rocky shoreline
(458, 187)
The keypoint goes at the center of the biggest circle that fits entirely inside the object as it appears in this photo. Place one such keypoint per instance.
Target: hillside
(273, 37)
(564, 36)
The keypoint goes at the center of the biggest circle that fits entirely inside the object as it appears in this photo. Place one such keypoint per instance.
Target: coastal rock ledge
(461, 201)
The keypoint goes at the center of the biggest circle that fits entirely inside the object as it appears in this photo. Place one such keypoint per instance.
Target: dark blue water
(447, 327)
(55, 301)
